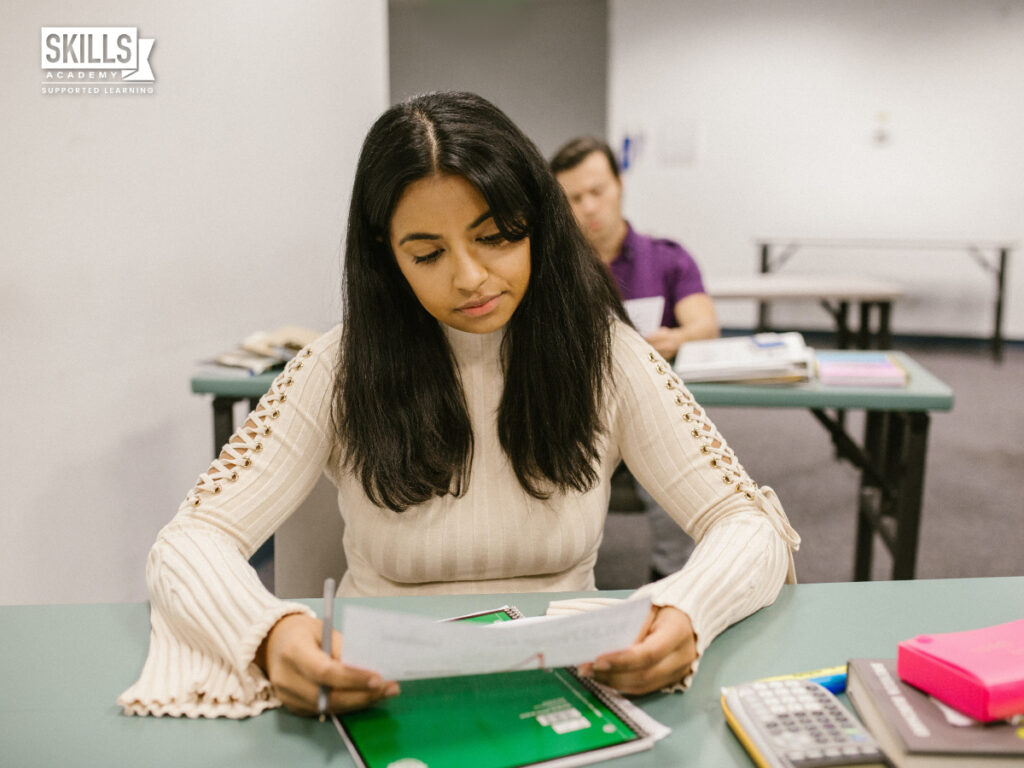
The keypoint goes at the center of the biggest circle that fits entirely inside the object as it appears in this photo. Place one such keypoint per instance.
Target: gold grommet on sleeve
(245, 442)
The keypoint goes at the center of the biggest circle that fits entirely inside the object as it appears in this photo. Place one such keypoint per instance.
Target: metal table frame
(891, 457)
(991, 256)
(834, 293)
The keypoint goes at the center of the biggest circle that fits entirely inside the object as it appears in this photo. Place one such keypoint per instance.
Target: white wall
(759, 119)
(140, 234)
(544, 62)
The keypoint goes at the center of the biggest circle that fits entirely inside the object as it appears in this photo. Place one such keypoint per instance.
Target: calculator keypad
(807, 724)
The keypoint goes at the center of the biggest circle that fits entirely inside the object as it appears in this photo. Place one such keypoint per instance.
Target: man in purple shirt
(642, 266)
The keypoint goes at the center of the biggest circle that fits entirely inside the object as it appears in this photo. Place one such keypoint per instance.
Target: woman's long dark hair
(399, 407)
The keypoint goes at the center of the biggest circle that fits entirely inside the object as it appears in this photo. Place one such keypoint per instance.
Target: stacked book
(762, 358)
(859, 369)
(954, 699)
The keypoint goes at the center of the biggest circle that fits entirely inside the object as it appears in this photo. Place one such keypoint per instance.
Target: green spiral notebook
(537, 717)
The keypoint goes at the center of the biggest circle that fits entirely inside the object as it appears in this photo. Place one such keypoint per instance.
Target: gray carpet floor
(972, 521)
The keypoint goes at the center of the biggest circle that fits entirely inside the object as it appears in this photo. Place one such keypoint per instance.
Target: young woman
(470, 409)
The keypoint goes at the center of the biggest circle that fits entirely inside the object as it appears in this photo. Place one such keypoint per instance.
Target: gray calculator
(798, 724)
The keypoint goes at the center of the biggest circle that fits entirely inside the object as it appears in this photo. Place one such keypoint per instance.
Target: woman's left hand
(660, 656)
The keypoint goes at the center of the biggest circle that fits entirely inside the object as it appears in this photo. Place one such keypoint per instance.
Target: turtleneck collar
(474, 347)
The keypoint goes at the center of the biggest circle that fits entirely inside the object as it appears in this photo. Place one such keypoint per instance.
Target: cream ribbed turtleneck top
(209, 611)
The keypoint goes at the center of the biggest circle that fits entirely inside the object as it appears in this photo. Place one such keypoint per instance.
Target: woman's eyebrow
(418, 236)
(427, 236)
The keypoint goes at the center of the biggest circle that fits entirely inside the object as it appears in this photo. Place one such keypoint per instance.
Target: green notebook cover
(503, 720)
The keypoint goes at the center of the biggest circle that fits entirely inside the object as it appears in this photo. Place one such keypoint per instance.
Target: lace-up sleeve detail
(238, 454)
(209, 611)
(745, 542)
(721, 458)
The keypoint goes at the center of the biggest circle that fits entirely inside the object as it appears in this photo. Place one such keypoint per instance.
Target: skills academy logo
(96, 61)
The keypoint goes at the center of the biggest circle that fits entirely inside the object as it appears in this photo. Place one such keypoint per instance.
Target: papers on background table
(401, 646)
(262, 351)
(645, 313)
(761, 358)
(859, 369)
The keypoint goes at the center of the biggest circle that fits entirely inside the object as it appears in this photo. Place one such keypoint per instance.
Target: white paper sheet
(400, 646)
(645, 313)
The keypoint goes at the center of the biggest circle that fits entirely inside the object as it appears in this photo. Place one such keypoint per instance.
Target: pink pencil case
(979, 672)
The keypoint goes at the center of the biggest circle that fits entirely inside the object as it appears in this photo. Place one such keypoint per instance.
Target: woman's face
(447, 245)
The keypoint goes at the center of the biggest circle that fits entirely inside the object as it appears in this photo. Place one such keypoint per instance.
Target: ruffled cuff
(181, 681)
(208, 615)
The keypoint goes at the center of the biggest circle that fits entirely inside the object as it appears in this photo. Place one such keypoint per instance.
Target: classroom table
(874, 299)
(992, 256)
(891, 456)
(63, 666)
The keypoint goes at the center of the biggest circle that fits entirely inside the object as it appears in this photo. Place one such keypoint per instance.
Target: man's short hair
(577, 150)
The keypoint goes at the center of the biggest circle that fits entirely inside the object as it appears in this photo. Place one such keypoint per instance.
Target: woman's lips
(480, 307)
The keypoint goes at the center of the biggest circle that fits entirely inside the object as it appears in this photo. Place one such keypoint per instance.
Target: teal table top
(63, 667)
(231, 382)
(924, 392)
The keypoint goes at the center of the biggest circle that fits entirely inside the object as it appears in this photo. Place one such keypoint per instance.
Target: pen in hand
(325, 642)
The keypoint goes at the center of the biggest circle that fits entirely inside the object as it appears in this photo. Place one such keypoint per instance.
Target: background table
(63, 667)
(991, 255)
(834, 294)
(891, 456)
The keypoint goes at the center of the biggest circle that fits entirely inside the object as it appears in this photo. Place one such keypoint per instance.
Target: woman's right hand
(292, 659)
